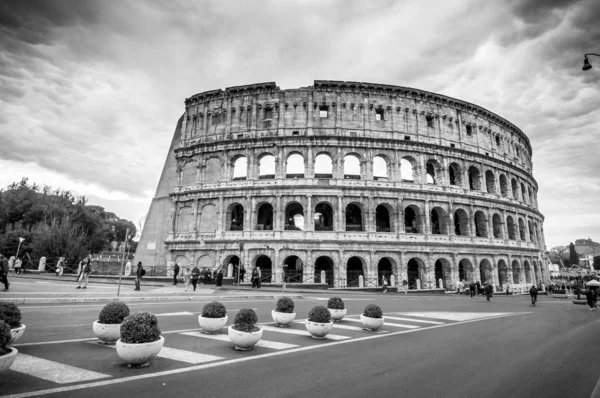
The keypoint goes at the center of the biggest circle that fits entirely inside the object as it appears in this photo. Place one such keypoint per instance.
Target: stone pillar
(309, 223)
(361, 281)
(127, 269)
(418, 284)
(309, 122)
(427, 217)
(504, 226)
(42, 264)
(472, 221)
(310, 163)
(340, 226)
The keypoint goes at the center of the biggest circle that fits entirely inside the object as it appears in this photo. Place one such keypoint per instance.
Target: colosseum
(344, 183)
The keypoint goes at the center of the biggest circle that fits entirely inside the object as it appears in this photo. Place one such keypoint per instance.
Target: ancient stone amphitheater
(346, 182)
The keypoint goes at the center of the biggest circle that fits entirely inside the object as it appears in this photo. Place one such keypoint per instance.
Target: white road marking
(413, 320)
(356, 328)
(52, 371)
(302, 332)
(455, 316)
(398, 325)
(124, 299)
(261, 343)
(175, 313)
(180, 355)
(236, 360)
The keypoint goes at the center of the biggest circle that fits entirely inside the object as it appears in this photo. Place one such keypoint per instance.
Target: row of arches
(381, 167)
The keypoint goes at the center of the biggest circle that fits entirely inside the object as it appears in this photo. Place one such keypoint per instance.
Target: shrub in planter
(284, 314)
(372, 317)
(108, 326)
(373, 311)
(140, 339)
(319, 322)
(10, 313)
(336, 308)
(7, 354)
(319, 314)
(213, 317)
(244, 334)
(559, 292)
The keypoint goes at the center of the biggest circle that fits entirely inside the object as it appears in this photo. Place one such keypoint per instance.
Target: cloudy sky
(90, 91)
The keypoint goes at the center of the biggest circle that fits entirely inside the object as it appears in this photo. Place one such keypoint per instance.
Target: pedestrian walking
(4, 272)
(60, 266)
(215, 274)
(242, 273)
(488, 291)
(472, 288)
(219, 278)
(479, 288)
(138, 275)
(175, 273)
(84, 274)
(254, 278)
(384, 283)
(187, 275)
(258, 282)
(591, 298)
(195, 277)
(18, 265)
(533, 292)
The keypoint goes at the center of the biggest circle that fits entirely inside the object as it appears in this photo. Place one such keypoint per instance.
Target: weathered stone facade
(351, 179)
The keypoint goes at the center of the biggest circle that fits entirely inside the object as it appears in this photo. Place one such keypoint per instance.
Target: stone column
(196, 215)
(309, 224)
(472, 221)
(278, 218)
(309, 122)
(340, 226)
(428, 218)
(221, 216)
(504, 226)
(310, 164)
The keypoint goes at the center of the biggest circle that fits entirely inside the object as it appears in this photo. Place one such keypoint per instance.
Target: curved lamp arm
(586, 62)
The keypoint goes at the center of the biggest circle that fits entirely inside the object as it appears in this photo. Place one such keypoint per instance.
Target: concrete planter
(584, 302)
(17, 333)
(319, 330)
(139, 354)
(107, 333)
(337, 315)
(561, 296)
(7, 360)
(244, 341)
(372, 323)
(283, 319)
(212, 325)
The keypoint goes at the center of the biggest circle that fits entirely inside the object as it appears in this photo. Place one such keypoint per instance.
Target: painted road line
(356, 328)
(302, 332)
(261, 343)
(398, 325)
(413, 320)
(456, 316)
(176, 313)
(52, 371)
(175, 354)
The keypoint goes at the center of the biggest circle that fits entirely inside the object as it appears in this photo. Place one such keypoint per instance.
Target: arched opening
(530, 197)
(527, 268)
(412, 222)
(524, 193)
(430, 173)
(240, 168)
(353, 218)
(536, 273)
(490, 182)
(503, 186)
(323, 166)
(182, 261)
(384, 269)
(294, 217)
(264, 217)
(407, 172)
(515, 189)
(323, 217)
(236, 217)
(474, 179)
(439, 221)
(292, 268)
(486, 272)
(354, 269)
(455, 174)
(440, 273)
(461, 223)
(380, 168)
(351, 167)
(415, 269)
(530, 227)
(516, 271)
(502, 272)
(522, 231)
(266, 167)
(497, 223)
(434, 172)
(481, 224)
(510, 225)
(382, 219)
(266, 268)
(295, 166)
(465, 270)
(324, 263)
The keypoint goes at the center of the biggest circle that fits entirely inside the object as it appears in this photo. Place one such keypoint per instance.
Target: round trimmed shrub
(335, 303)
(113, 313)
(373, 311)
(319, 314)
(10, 313)
(5, 338)
(140, 328)
(245, 321)
(285, 304)
(214, 310)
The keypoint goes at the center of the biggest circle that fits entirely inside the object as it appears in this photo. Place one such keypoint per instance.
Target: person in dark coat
(254, 278)
(4, 272)
(242, 273)
(220, 278)
(175, 273)
(488, 291)
(472, 288)
(533, 292)
(84, 273)
(195, 277)
(591, 297)
(138, 275)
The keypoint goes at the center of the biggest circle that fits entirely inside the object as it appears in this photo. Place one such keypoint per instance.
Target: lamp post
(586, 62)
(19, 247)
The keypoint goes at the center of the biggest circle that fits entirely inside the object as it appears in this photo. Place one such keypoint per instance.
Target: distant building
(587, 247)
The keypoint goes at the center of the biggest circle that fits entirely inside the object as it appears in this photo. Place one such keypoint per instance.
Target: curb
(67, 300)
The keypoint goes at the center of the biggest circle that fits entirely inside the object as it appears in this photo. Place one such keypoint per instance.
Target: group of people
(194, 275)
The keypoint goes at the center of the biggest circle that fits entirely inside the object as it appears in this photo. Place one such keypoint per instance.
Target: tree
(559, 255)
(573, 256)
(60, 238)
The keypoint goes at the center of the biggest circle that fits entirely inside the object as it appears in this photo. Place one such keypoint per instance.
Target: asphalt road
(469, 348)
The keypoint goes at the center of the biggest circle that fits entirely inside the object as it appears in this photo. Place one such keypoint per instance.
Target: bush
(319, 314)
(245, 321)
(214, 310)
(10, 313)
(373, 311)
(335, 303)
(140, 328)
(559, 292)
(113, 313)
(5, 338)
(285, 304)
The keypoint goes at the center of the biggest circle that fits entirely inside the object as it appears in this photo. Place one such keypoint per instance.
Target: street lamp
(586, 62)
(19, 247)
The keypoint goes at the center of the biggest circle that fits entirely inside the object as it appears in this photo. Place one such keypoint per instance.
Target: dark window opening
(452, 176)
(407, 137)
(379, 114)
(264, 219)
(323, 217)
(429, 121)
(382, 219)
(237, 218)
(240, 136)
(353, 218)
(323, 111)
(295, 133)
(410, 221)
(497, 140)
(469, 130)
(452, 146)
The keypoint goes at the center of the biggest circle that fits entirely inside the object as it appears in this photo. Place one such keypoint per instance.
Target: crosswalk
(192, 347)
